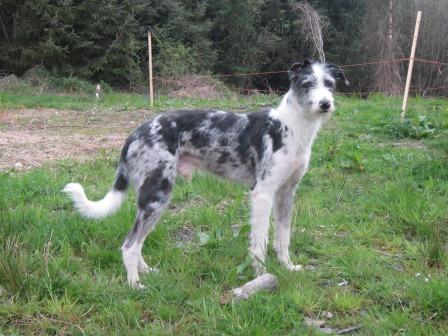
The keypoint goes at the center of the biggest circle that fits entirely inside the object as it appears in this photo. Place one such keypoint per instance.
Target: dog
(269, 151)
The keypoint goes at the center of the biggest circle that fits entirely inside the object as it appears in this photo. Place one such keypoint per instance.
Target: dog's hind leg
(153, 198)
(145, 222)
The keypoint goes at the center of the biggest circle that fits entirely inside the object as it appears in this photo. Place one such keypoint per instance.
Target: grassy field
(117, 101)
(371, 217)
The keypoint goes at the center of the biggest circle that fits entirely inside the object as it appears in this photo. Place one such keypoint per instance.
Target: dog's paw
(136, 285)
(134, 281)
(147, 270)
(144, 268)
(295, 268)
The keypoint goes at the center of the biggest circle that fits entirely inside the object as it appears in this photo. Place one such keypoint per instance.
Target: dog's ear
(297, 67)
(338, 73)
(308, 61)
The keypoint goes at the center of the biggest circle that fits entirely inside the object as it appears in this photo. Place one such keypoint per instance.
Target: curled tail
(108, 205)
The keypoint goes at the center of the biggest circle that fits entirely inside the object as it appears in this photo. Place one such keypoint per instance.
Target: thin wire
(270, 91)
(345, 66)
(429, 61)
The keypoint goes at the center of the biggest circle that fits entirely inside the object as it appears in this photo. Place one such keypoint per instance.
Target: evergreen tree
(236, 34)
(180, 36)
(106, 39)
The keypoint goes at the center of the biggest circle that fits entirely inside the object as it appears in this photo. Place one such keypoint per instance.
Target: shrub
(353, 161)
(41, 78)
(414, 128)
(76, 85)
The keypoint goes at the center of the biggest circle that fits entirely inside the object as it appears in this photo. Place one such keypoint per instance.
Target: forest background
(105, 41)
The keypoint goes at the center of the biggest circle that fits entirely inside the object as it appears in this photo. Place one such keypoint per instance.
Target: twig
(312, 27)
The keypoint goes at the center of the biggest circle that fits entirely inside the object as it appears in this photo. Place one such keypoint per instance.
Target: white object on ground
(266, 281)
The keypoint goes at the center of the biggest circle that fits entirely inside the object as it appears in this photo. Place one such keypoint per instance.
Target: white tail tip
(108, 205)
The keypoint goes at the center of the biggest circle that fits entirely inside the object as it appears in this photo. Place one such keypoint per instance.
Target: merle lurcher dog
(268, 151)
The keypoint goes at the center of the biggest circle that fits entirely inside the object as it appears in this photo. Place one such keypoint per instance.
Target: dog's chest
(298, 142)
(296, 151)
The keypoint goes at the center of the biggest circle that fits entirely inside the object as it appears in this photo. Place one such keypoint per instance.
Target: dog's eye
(329, 84)
(306, 85)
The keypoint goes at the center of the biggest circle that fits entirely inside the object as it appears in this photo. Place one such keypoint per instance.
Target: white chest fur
(301, 128)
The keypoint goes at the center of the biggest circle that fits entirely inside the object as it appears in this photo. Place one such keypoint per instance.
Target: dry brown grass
(194, 87)
(31, 137)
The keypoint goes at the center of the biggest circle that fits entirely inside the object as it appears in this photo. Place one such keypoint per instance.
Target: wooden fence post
(151, 93)
(411, 64)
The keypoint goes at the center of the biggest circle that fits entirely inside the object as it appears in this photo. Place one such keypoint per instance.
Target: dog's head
(313, 85)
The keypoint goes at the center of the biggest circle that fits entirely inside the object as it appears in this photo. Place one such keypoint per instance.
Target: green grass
(371, 213)
(123, 101)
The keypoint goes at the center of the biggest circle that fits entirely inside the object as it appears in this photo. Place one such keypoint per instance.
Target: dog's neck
(302, 126)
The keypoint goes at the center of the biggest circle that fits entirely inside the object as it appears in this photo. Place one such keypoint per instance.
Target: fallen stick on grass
(266, 281)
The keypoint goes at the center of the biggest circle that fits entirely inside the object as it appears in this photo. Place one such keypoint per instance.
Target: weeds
(417, 128)
(14, 267)
(331, 149)
(434, 247)
(429, 294)
(353, 161)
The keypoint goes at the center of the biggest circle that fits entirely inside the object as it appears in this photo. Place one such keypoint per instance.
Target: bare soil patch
(31, 137)
(405, 143)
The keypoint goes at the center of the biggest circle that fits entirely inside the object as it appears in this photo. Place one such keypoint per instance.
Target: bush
(40, 78)
(76, 85)
(195, 87)
(37, 76)
(13, 84)
(175, 59)
(414, 128)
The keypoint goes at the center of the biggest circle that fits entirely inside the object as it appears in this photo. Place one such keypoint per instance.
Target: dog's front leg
(284, 199)
(261, 210)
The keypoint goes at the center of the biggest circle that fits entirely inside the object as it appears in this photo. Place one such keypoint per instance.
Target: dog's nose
(324, 105)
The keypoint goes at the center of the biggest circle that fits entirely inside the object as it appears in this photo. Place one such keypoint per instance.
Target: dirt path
(31, 137)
